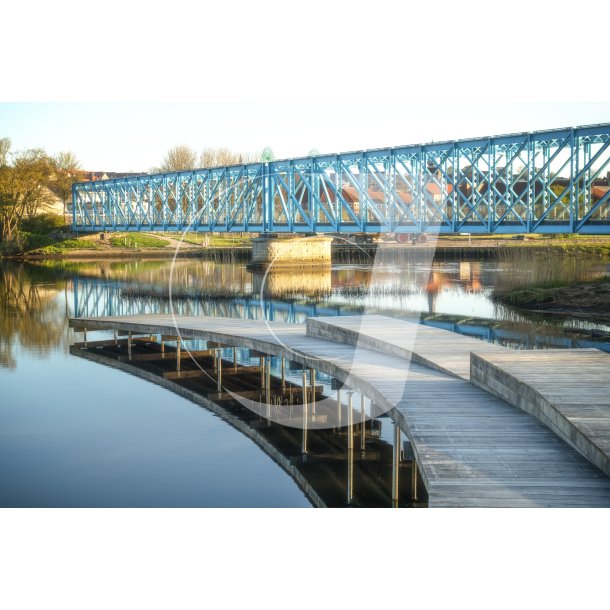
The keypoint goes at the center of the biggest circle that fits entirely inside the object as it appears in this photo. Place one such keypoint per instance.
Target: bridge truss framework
(540, 182)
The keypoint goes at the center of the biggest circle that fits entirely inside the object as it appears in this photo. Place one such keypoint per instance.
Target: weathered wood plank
(568, 390)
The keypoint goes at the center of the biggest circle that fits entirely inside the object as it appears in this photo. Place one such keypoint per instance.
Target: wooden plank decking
(472, 448)
(568, 390)
(434, 347)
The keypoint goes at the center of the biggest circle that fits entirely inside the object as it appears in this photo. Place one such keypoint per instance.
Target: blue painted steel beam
(553, 181)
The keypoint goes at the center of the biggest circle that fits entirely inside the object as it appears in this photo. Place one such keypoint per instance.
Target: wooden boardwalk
(568, 390)
(472, 448)
(434, 347)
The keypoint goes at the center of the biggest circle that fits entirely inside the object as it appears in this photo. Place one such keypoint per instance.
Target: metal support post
(413, 480)
(350, 420)
(338, 409)
(350, 448)
(395, 465)
(219, 371)
(268, 390)
(362, 425)
(178, 342)
(312, 380)
(304, 446)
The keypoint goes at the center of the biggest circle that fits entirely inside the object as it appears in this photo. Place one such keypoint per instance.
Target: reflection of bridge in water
(471, 447)
(100, 297)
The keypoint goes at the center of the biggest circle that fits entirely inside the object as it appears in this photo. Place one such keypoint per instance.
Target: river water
(76, 433)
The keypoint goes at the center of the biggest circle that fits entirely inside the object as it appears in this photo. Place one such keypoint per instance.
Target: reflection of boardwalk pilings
(368, 482)
(268, 375)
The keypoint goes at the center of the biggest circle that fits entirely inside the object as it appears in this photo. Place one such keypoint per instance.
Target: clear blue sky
(135, 136)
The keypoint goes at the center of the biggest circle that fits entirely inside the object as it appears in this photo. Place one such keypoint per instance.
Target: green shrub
(33, 241)
(42, 224)
(8, 248)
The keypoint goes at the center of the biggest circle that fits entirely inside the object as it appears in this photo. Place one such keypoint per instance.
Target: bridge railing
(542, 182)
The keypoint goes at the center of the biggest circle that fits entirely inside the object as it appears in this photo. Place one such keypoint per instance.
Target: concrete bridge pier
(287, 251)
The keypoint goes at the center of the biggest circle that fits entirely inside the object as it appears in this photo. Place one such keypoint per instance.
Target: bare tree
(5, 147)
(66, 169)
(179, 158)
(220, 157)
(23, 188)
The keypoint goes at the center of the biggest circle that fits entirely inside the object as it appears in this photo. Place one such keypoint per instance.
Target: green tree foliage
(24, 179)
(42, 224)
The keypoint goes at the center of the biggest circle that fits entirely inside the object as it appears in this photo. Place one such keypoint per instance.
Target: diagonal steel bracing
(554, 181)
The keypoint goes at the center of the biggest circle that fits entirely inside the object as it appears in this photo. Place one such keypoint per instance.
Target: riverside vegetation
(36, 189)
(557, 282)
(47, 236)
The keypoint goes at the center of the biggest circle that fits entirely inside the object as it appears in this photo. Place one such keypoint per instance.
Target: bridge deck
(472, 448)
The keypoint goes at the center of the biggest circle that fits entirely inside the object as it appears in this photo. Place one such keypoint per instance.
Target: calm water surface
(76, 433)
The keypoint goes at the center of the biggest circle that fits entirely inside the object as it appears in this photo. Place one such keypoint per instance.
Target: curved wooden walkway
(472, 448)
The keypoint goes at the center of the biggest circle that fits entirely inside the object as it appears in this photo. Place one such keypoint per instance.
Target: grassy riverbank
(46, 237)
(128, 245)
(567, 281)
(589, 299)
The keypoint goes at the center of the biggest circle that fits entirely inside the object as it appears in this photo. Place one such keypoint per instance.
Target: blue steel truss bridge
(553, 181)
